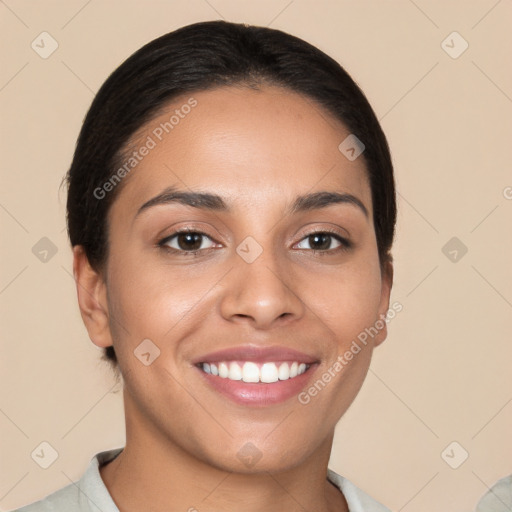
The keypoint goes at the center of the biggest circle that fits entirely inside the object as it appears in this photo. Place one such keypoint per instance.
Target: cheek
(161, 303)
(150, 298)
(347, 300)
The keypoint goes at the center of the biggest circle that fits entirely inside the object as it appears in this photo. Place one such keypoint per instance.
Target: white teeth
(235, 372)
(284, 372)
(269, 373)
(223, 370)
(251, 372)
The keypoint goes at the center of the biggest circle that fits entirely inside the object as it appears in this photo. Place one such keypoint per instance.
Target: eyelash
(345, 244)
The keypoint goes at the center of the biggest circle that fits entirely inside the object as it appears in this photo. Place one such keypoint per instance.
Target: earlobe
(92, 299)
(387, 284)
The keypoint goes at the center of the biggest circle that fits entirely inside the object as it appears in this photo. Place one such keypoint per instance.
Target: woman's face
(254, 289)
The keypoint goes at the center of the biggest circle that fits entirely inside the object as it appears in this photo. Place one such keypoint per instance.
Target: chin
(251, 459)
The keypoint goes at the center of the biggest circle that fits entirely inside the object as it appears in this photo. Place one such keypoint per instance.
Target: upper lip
(256, 354)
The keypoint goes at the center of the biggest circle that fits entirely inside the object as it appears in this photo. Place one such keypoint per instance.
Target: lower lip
(259, 394)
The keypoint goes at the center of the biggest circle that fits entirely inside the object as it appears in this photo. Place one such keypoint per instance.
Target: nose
(261, 292)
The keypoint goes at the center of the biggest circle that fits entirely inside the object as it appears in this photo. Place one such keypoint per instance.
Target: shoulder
(498, 498)
(357, 500)
(86, 495)
(66, 498)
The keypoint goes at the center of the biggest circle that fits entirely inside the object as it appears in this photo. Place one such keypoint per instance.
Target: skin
(258, 149)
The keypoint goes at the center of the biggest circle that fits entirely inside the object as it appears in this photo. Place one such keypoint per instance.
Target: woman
(231, 208)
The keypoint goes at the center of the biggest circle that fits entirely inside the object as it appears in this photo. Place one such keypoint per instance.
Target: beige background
(443, 374)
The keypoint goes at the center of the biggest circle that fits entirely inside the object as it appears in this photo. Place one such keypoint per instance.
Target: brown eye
(322, 241)
(185, 241)
(189, 241)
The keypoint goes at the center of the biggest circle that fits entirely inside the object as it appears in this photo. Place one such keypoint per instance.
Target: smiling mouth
(252, 372)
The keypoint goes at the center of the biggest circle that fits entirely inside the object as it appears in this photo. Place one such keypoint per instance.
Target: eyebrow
(214, 202)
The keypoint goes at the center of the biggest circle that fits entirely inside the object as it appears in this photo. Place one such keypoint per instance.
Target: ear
(387, 283)
(92, 298)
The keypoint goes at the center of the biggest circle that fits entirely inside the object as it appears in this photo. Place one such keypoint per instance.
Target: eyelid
(189, 228)
(331, 228)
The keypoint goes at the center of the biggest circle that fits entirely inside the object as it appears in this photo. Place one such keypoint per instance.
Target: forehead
(253, 146)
